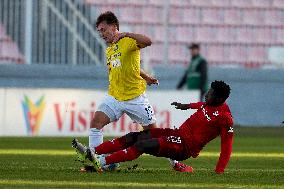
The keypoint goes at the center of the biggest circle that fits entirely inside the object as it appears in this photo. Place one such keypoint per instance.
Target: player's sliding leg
(150, 146)
(173, 163)
(121, 143)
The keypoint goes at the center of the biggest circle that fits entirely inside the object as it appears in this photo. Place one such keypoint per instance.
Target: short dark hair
(221, 89)
(194, 46)
(109, 17)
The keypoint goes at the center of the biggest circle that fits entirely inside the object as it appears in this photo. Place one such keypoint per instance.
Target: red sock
(128, 154)
(111, 146)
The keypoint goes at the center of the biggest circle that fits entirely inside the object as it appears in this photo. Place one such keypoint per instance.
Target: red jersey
(204, 125)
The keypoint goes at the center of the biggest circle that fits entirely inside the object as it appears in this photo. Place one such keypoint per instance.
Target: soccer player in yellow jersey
(127, 82)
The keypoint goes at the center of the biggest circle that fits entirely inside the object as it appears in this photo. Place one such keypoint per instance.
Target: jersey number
(174, 139)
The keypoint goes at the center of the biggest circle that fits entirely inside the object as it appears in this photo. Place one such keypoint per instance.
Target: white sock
(95, 137)
(103, 160)
(172, 162)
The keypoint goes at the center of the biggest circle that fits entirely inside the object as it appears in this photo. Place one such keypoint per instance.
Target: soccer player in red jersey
(212, 119)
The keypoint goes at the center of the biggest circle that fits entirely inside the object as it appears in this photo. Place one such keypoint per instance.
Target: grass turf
(48, 162)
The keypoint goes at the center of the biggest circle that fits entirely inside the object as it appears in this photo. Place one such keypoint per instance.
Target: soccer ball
(111, 167)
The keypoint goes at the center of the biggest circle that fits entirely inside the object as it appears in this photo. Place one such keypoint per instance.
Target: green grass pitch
(48, 162)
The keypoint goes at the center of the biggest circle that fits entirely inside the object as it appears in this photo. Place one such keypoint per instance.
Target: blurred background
(53, 45)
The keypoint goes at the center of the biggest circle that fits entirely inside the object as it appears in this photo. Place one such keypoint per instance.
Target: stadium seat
(131, 14)
(273, 17)
(177, 53)
(175, 15)
(261, 3)
(203, 3)
(152, 14)
(238, 54)
(241, 3)
(266, 36)
(215, 53)
(185, 34)
(280, 34)
(245, 35)
(257, 54)
(212, 16)
(278, 3)
(253, 17)
(156, 52)
(226, 34)
(221, 3)
(232, 16)
(191, 15)
(9, 52)
(159, 34)
(206, 34)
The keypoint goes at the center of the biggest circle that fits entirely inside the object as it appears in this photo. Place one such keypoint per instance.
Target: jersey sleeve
(131, 44)
(226, 143)
(196, 105)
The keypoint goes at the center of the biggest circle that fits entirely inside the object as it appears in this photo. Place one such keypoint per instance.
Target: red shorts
(171, 144)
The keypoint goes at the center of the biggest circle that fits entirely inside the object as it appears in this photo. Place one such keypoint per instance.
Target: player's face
(211, 100)
(209, 97)
(106, 31)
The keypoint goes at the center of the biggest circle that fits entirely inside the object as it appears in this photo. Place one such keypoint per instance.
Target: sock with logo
(95, 137)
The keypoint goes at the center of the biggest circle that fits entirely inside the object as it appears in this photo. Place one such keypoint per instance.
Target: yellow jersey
(123, 61)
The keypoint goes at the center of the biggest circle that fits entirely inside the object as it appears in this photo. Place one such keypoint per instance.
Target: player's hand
(119, 36)
(180, 105)
(151, 81)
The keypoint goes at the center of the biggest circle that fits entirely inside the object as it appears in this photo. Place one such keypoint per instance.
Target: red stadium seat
(156, 52)
(257, 54)
(261, 3)
(212, 16)
(159, 34)
(204, 3)
(241, 3)
(191, 15)
(9, 52)
(245, 35)
(175, 15)
(266, 36)
(206, 34)
(185, 34)
(131, 14)
(278, 3)
(253, 17)
(273, 17)
(226, 34)
(232, 16)
(216, 53)
(221, 3)
(238, 54)
(152, 14)
(280, 34)
(178, 53)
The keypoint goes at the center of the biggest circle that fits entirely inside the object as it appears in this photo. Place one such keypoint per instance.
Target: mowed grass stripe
(71, 152)
(47, 183)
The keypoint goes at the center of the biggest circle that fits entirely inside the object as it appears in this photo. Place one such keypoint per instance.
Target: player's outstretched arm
(180, 106)
(148, 78)
(141, 40)
(226, 149)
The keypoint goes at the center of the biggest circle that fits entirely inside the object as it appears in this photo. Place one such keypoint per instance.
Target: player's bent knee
(131, 137)
(99, 120)
(144, 135)
(150, 146)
